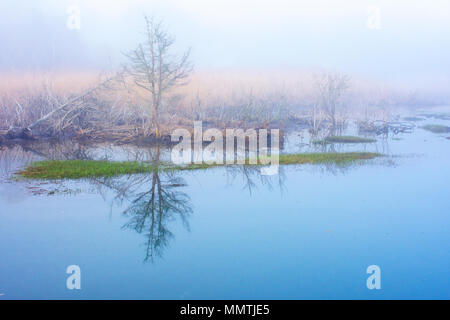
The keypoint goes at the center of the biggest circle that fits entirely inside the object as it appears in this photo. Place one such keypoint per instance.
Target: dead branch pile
(99, 111)
(379, 127)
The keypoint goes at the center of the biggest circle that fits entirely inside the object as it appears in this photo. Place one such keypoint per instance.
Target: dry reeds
(221, 99)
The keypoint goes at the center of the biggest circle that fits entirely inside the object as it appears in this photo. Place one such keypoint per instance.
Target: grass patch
(344, 139)
(436, 128)
(413, 119)
(439, 116)
(77, 169)
(323, 158)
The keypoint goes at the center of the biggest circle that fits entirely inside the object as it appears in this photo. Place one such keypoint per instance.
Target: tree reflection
(252, 178)
(151, 211)
(153, 199)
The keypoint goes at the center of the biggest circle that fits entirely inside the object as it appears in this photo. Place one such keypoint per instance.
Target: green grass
(77, 169)
(436, 128)
(344, 139)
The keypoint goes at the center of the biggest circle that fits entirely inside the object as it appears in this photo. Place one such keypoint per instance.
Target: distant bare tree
(153, 67)
(330, 89)
(316, 119)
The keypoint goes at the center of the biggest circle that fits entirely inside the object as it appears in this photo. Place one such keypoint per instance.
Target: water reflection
(151, 201)
(150, 211)
(271, 246)
(251, 177)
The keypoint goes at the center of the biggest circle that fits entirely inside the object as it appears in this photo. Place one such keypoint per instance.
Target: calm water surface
(308, 233)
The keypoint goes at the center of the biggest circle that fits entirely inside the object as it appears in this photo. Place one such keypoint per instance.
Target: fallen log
(72, 101)
(19, 133)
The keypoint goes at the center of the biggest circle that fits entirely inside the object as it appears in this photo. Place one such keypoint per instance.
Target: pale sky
(404, 40)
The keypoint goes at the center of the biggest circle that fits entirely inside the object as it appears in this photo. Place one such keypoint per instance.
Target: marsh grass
(344, 139)
(221, 99)
(77, 169)
(436, 128)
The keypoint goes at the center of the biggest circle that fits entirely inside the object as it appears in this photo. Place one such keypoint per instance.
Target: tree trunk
(155, 122)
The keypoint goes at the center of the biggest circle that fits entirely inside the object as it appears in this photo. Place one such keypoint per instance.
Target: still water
(308, 233)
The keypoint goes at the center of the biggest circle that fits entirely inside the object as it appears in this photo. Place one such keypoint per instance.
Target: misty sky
(410, 42)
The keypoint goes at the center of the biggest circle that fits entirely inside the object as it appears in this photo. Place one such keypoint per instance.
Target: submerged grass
(77, 169)
(413, 119)
(436, 128)
(344, 139)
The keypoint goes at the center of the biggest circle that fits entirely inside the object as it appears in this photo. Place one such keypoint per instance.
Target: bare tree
(331, 88)
(153, 67)
(316, 119)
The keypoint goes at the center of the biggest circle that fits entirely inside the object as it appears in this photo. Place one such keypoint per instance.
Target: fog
(406, 42)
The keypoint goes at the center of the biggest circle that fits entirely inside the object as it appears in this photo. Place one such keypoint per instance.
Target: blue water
(308, 233)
